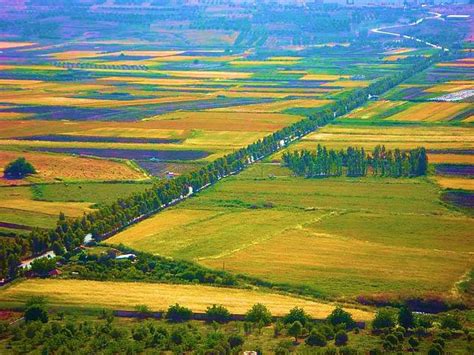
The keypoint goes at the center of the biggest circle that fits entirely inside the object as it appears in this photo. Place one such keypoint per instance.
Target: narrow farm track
(435, 16)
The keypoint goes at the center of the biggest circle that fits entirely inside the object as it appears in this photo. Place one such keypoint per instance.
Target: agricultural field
(120, 112)
(396, 219)
(126, 295)
(107, 99)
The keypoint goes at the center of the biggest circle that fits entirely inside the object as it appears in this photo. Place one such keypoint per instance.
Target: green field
(341, 237)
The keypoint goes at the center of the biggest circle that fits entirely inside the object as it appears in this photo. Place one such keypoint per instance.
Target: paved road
(434, 16)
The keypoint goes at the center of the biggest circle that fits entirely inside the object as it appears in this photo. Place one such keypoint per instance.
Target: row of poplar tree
(357, 162)
(106, 221)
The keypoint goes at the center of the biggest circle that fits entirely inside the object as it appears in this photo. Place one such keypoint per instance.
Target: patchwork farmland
(278, 162)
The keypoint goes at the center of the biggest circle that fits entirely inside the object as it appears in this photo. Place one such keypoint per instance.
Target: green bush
(36, 312)
(177, 313)
(414, 343)
(259, 314)
(383, 319)
(315, 338)
(451, 322)
(341, 338)
(217, 313)
(235, 341)
(327, 331)
(406, 318)
(296, 314)
(339, 316)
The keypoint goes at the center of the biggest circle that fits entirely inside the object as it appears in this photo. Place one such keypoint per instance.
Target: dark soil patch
(464, 170)
(460, 198)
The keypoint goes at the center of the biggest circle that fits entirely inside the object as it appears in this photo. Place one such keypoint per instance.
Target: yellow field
(338, 137)
(151, 81)
(51, 167)
(72, 209)
(244, 63)
(324, 77)
(46, 99)
(400, 51)
(431, 111)
(7, 45)
(451, 86)
(19, 82)
(347, 83)
(393, 58)
(451, 158)
(222, 121)
(277, 106)
(207, 74)
(455, 183)
(126, 295)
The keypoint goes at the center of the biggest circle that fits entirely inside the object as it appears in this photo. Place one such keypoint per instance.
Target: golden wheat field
(126, 295)
(72, 209)
(431, 111)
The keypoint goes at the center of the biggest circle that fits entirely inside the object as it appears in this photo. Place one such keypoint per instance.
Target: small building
(126, 257)
(55, 272)
(88, 239)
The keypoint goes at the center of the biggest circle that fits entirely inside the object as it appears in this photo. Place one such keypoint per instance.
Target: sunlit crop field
(298, 230)
(126, 295)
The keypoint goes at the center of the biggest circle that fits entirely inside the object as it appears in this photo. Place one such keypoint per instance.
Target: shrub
(375, 351)
(36, 312)
(259, 313)
(425, 321)
(315, 338)
(400, 336)
(143, 310)
(339, 316)
(235, 341)
(414, 343)
(217, 313)
(405, 318)
(178, 314)
(439, 341)
(18, 169)
(435, 349)
(451, 322)
(341, 338)
(277, 328)
(295, 329)
(383, 319)
(327, 331)
(392, 339)
(296, 314)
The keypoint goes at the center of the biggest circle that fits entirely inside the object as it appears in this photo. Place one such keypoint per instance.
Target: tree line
(356, 162)
(108, 220)
(391, 331)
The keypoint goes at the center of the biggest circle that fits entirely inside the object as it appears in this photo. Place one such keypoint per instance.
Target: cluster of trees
(402, 328)
(69, 233)
(356, 162)
(146, 267)
(396, 330)
(18, 169)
